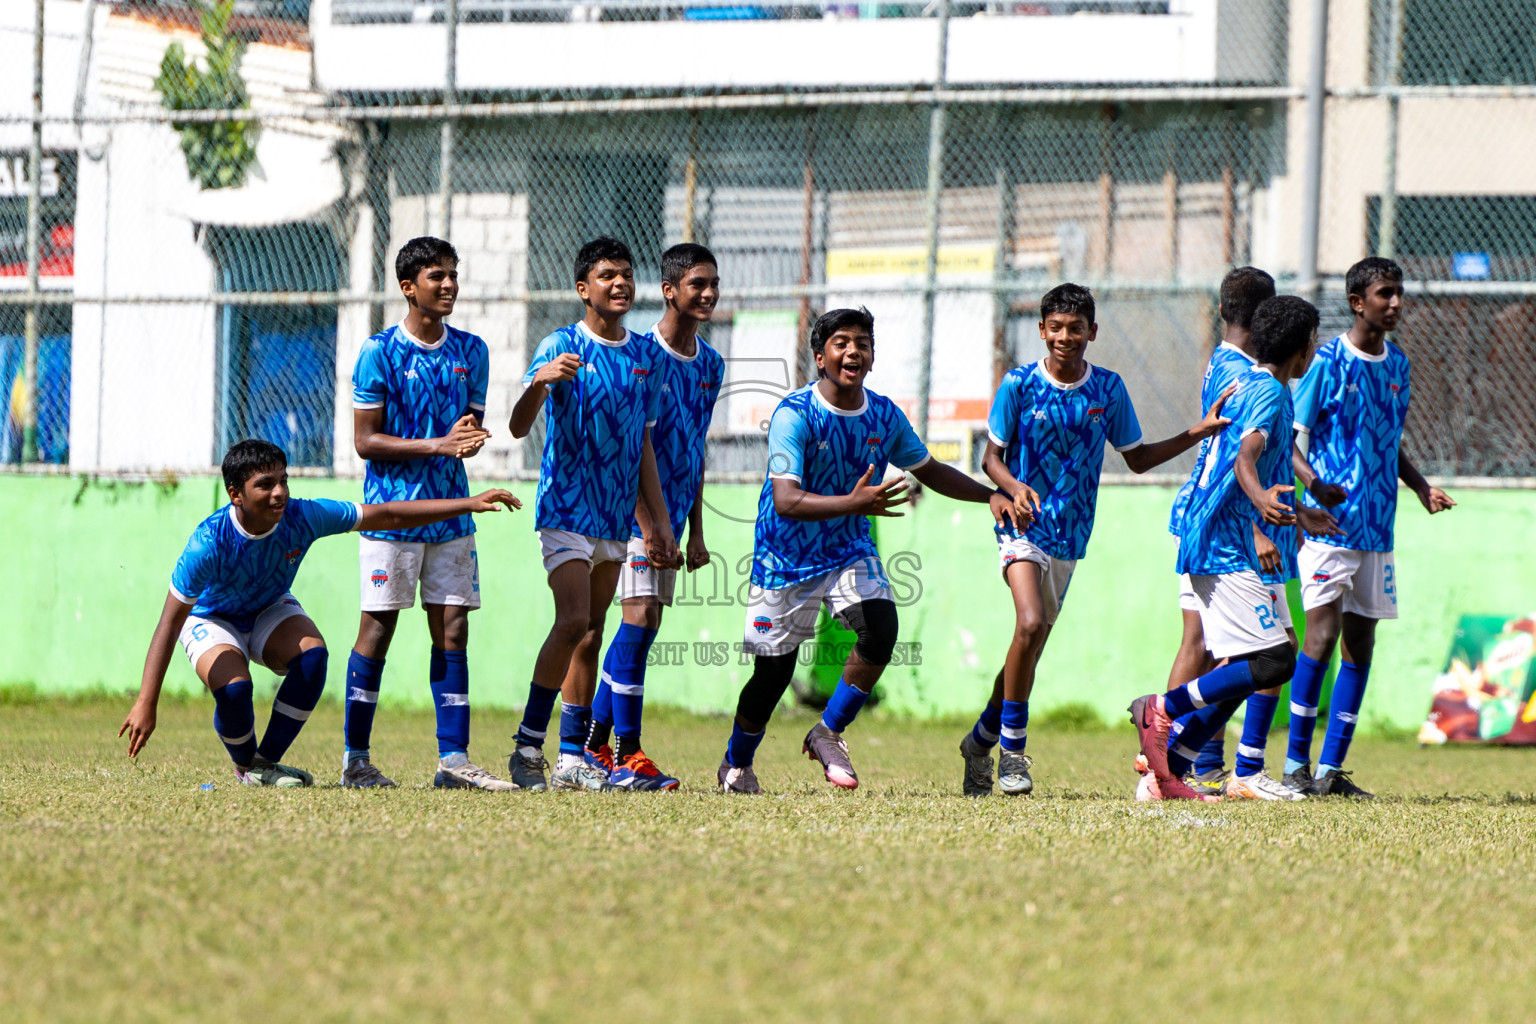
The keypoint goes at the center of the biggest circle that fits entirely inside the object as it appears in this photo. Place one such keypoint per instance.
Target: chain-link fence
(222, 189)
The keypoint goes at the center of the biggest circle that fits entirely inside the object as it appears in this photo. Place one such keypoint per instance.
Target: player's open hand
(1269, 555)
(1004, 511)
(464, 439)
(564, 366)
(872, 499)
(1435, 500)
(1275, 511)
(1328, 495)
(1318, 522)
(139, 724)
(492, 500)
(697, 556)
(1026, 505)
(1214, 421)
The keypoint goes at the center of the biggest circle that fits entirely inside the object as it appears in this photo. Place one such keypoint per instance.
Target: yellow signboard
(909, 261)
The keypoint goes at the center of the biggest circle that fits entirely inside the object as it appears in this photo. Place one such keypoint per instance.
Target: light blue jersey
(826, 450)
(594, 431)
(230, 574)
(1053, 436)
(424, 390)
(1227, 364)
(1352, 406)
(689, 389)
(1217, 535)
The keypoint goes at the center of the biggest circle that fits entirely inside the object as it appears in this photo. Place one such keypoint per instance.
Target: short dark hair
(1368, 271)
(1068, 298)
(1282, 327)
(603, 247)
(680, 259)
(247, 458)
(420, 253)
(834, 320)
(1241, 292)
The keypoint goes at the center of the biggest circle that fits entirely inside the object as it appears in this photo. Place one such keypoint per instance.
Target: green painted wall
(88, 563)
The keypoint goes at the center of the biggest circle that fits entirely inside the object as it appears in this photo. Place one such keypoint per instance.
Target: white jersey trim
(861, 410)
(927, 458)
(367, 405)
(1233, 348)
(1360, 353)
(1060, 385)
(183, 598)
(996, 440)
(247, 534)
(698, 345)
(584, 329)
(426, 346)
(357, 524)
(1127, 447)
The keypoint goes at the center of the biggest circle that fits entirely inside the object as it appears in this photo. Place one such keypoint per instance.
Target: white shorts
(639, 578)
(449, 573)
(561, 546)
(1366, 579)
(1188, 602)
(1055, 573)
(778, 621)
(1238, 613)
(199, 635)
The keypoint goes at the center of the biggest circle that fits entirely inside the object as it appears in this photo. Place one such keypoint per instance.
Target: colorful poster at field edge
(1487, 691)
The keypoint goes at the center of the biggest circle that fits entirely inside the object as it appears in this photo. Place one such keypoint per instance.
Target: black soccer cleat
(1336, 782)
(1301, 781)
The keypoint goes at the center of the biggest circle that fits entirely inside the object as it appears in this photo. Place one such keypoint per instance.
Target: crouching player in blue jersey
(229, 604)
(829, 444)
(690, 376)
(1045, 450)
(418, 396)
(599, 385)
(1350, 410)
(1217, 549)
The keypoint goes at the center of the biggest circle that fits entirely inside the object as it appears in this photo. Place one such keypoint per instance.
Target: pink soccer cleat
(1152, 725)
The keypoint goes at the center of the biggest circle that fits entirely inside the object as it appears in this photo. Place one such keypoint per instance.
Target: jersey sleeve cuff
(995, 439)
(927, 458)
(183, 598)
(366, 405)
(1127, 447)
(785, 476)
(1254, 430)
(650, 423)
(357, 524)
(477, 405)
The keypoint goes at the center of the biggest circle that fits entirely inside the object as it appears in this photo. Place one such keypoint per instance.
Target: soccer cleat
(1300, 781)
(639, 772)
(1169, 788)
(270, 773)
(1146, 787)
(1336, 782)
(601, 759)
(527, 770)
(1260, 787)
(1213, 781)
(580, 777)
(831, 751)
(1151, 722)
(470, 776)
(361, 774)
(978, 768)
(1013, 773)
(1141, 766)
(738, 780)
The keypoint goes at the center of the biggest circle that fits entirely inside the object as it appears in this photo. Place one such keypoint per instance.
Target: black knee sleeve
(874, 622)
(1273, 666)
(771, 674)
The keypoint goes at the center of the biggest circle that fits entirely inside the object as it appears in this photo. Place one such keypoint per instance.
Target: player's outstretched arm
(140, 722)
(1327, 495)
(403, 515)
(465, 439)
(697, 554)
(1432, 498)
(562, 367)
(660, 545)
(1149, 456)
(945, 479)
(1274, 511)
(791, 501)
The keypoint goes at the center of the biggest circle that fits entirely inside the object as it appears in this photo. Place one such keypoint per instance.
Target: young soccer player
(599, 385)
(230, 604)
(418, 395)
(1350, 410)
(1217, 549)
(1045, 450)
(829, 444)
(690, 376)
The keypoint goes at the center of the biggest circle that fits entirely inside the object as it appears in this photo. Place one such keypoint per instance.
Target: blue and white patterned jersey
(1053, 437)
(1217, 534)
(1353, 406)
(424, 390)
(230, 574)
(1281, 472)
(1227, 364)
(689, 389)
(594, 431)
(827, 450)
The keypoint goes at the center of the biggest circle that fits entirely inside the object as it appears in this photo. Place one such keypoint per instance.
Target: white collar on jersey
(674, 353)
(427, 346)
(1233, 348)
(815, 387)
(1053, 382)
(1360, 353)
(1264, 370)
(234, 517)
(584, 329)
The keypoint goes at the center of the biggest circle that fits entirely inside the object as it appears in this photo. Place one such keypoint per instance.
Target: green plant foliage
(218, 154)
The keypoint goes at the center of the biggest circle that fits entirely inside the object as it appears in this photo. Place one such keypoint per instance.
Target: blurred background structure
(200, 202)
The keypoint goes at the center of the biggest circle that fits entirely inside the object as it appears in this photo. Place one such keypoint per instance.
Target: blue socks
(575, 723)
(1184, 746)
(1306, 690)
(296, 698)
(1256, 723)
(234, 719)
(621, 690)
(1343, 713)
(985, 733)
(1212, 756)
(844, 707)
(450, 695)
(541, 704)
(1015, 724)
(742, 748)
(1209, 721)
(362, 700)
(1232, 681)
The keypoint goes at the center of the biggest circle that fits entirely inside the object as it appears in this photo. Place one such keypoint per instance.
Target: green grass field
(127, 893)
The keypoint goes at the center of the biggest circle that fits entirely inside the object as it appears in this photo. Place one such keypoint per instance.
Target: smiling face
(847, 357)
(609, 288)
(1381, 306)
(1066, 337)
(262, 499)
(695, 294)
(435, 289)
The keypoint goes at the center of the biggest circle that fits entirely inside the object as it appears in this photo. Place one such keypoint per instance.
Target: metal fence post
(931, 220)
(1312, 182)
(34, 231)
(1386, 235)
(445, 147)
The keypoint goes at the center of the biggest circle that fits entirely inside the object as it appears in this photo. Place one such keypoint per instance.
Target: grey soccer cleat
(361, 774)
(978, 768)
(738, 780)
(831, 751)
(1013, 773)
(1211, 783)
(1300, 781)
(1260, 787)
(527, 769)
(270, 773)
(462, 774)
(580, 776)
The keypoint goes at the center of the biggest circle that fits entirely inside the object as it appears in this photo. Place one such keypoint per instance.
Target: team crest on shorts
(640, 564)
(1321, 577)
(378, 577)
(762, 623)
